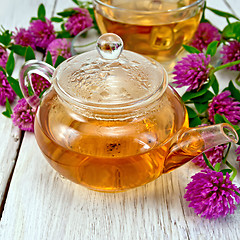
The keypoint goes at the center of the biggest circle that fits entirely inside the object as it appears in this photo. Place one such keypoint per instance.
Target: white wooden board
(42, 205)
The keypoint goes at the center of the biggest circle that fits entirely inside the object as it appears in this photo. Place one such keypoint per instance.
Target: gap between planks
(2, 204)
(5, 194)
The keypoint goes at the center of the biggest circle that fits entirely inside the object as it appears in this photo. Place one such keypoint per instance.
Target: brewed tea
(156, 35)
(108, 155)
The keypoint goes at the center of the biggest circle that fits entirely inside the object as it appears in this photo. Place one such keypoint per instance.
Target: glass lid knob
(109, 46)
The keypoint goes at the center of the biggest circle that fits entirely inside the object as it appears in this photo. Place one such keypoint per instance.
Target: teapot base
(102, 174)
(108, 155)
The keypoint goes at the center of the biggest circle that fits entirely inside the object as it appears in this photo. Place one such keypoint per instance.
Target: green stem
(225, 157)
(203, 13)
(226, 65)
(228, 21)
(237, 80)
(86, 45)
(189, 102)
(2, 29)
(207, 161)
(233, 169)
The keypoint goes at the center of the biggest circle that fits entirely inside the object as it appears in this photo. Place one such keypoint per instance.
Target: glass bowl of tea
(154, 28)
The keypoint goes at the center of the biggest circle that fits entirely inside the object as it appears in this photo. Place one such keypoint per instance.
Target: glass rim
(196, 3)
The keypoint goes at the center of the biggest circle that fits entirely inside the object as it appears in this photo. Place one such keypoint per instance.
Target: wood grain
(57, 208)
(41, 205)
(217, 21)
(233, 6)
(11, 16)
(10, 144)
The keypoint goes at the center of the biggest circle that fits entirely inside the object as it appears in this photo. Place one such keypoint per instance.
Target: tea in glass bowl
(154, 28)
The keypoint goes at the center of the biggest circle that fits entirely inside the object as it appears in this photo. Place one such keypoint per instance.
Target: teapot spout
(189, 143)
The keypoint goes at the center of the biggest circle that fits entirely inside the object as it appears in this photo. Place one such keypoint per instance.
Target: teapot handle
(38, 67)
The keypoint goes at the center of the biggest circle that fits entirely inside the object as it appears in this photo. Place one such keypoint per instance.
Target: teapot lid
(109, 77)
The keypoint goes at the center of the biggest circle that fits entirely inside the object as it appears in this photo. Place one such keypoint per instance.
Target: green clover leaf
(8, 112)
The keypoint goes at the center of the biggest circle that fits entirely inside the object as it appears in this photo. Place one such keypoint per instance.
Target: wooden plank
(61, 5)
(10, 142)
(233, 6)
(10, 135)
(217, 21)
(43, 205)
(11, 16)
(72, 212)
(18, 13)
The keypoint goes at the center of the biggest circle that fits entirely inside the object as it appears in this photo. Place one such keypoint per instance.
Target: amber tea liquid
(155, 35)
(107, 155)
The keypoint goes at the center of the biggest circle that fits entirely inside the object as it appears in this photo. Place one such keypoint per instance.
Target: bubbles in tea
(156, 35)
(103, 154)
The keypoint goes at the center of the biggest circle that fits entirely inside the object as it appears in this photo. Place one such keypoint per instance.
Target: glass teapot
(111, 122)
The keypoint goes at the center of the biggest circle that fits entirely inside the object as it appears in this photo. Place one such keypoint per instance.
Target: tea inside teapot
(110, 122)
